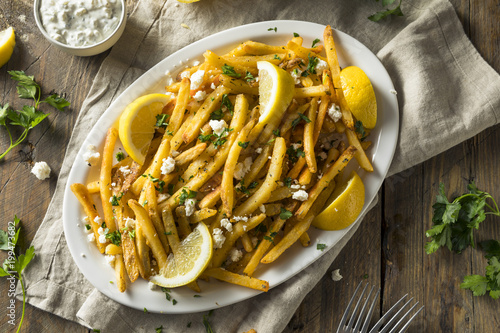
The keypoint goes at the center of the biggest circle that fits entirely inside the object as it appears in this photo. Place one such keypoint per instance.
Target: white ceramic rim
(38, 20)
(217, 294)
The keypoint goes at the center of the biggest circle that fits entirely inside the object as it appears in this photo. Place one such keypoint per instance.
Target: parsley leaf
(455, 221)
(360, 129)
(316, 41)
(57, 101)
(120, 156)
(160, 120)
(243, 145)
(271, 29)
(320, 246)
(294, 154)
(206, 323)
(271, 236)
(159, 329)
(288, 181)
(285, 214)
(249, 77)
(229, 71)
(186, 195)
(277, 132)
(227, 103)
(311, 66)
(384, 13)
(115, 237)
(296, 34)
(26, 87)
(478, 284)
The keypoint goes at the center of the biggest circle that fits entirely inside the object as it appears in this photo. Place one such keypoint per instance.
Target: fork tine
(355, 311)
(394, 318)
(402, 318)
(386, 315)
(344, 317)
(361, 313)
(405, 327)
(366, 325)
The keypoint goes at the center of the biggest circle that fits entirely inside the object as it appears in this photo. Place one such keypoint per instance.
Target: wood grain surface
(388, 248)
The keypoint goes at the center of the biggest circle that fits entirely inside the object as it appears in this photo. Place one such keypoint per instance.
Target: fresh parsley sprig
(29, 116)
(15, 264)
(388, 12)
(455, 221)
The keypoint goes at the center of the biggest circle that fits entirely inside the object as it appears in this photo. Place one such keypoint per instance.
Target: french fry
(251, 61)
(214, 60)
(127, 242)
(314, 91)
(120, 273)
(360, 155)
(82, 194)
(113, 249)
(190, 154)
(202, 214)
(152, 209)
(280, 193)
(210, 200)
(238, 86)
(105, 177)
(184, 228)
(309, 136)
(241, 280)
(93, 187)
(256, 48)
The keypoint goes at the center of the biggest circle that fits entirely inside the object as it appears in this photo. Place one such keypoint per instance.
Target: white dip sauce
(80, 22)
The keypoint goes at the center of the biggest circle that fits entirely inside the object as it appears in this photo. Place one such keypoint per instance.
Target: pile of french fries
(305, 150)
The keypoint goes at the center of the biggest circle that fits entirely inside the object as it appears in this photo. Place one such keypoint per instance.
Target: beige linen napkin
(446, 92)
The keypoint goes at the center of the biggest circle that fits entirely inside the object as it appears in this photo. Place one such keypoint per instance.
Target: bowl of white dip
(81, 27)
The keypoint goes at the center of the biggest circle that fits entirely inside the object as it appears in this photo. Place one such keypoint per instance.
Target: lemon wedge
(137, 124)
(359, 95)
(276, 89)
(7, 43)
(190, 260)
(343, 206)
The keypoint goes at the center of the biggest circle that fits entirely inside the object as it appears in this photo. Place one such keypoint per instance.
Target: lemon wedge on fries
(276, 90)
(137, 124)
(190, 260)
(7, 43)
(344, 205)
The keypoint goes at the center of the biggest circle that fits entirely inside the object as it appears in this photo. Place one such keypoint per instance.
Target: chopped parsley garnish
(144, 203)
(168, 296)
(87, 226)
(131, 234)
(160, 186)
(120, 156)
(115, 237)
(358, 127)
(160, 120)
(299, 118)
(243, 145)
(285, 214)
(311, 66)
(271, 29)
(196, 295)
(170, 188)
(227, 103)
(245, 189)
(316, 41)
(296, 34)
(205, 138)
(229, 71)
(145, 310)
(167, 233)
(320, 247)
(271, 237)
(276, 57)
(206, 323)
(384, 13)
(491, 281)
(288, 181)
(159, 329)
(186, 195)
(216, 115)
(277, 132)
(249, 77)
(261, 228)
(294, 154)
(115, 201)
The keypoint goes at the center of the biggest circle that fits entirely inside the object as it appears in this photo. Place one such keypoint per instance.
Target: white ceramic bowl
(89, 50)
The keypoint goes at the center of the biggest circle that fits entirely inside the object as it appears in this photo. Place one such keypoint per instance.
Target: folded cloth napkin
(446, 93)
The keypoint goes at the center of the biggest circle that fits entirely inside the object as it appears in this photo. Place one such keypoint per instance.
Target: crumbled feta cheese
(91, 156)
(85, 219)
(296, 145)
(169, 94)
(175, 153)
(334, 112)
(323, 155)
(91, 237)
(111, 199)
(196, 63)
(240, 218)
(129, 223)
(242, 168)
(102, 239)
(125, 170)
(235, 255)
(295, 187)
(197, 79)
(245, 228)
(321, 65)
(296, 73)
(336, 275)
(152, 286)
(185, 74)
(300, 195)
(41, 170)
(394, 92)
(97, 220)
(258, 150)
(226, 224)
(170, 80)
(218, 238)
(255, 241)
(262, 208)
(113, 184)
(168, 165)
(320, 176)
(162, 197)
(88, 231)
(212, 86)
(110, 259)
(200, 95)
(218, 126)
(189, 206)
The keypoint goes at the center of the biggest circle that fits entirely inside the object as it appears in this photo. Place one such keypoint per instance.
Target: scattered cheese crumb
(175, 153)
(334, 112)
(152, 286)
(189, 206)
(212, 86)
(245, 228)
(394, 92)
(185, 74)
(323, 155)
(91, 156)
(258, 150)
(91, 237)
(129, 223)
(262, 208)
(255, 240)
(336, 275)
(197, 79)
(97, 220)
(296, 73)
(218, 126)
(196, 63)
(200, 95)
(300, 195)
(296, 145)
(242, 168)
(226, 224)
(218, 238)
(321, 65)
(295, 187)
(168, 165)
(240, 218)
(235, 255)
(162, 197)
(125, 170)
(110, 259)
(41, 170)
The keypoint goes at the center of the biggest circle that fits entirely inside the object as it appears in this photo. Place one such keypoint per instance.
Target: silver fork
(354, 326)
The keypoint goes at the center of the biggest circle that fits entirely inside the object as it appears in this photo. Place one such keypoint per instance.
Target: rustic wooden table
(387, 250)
